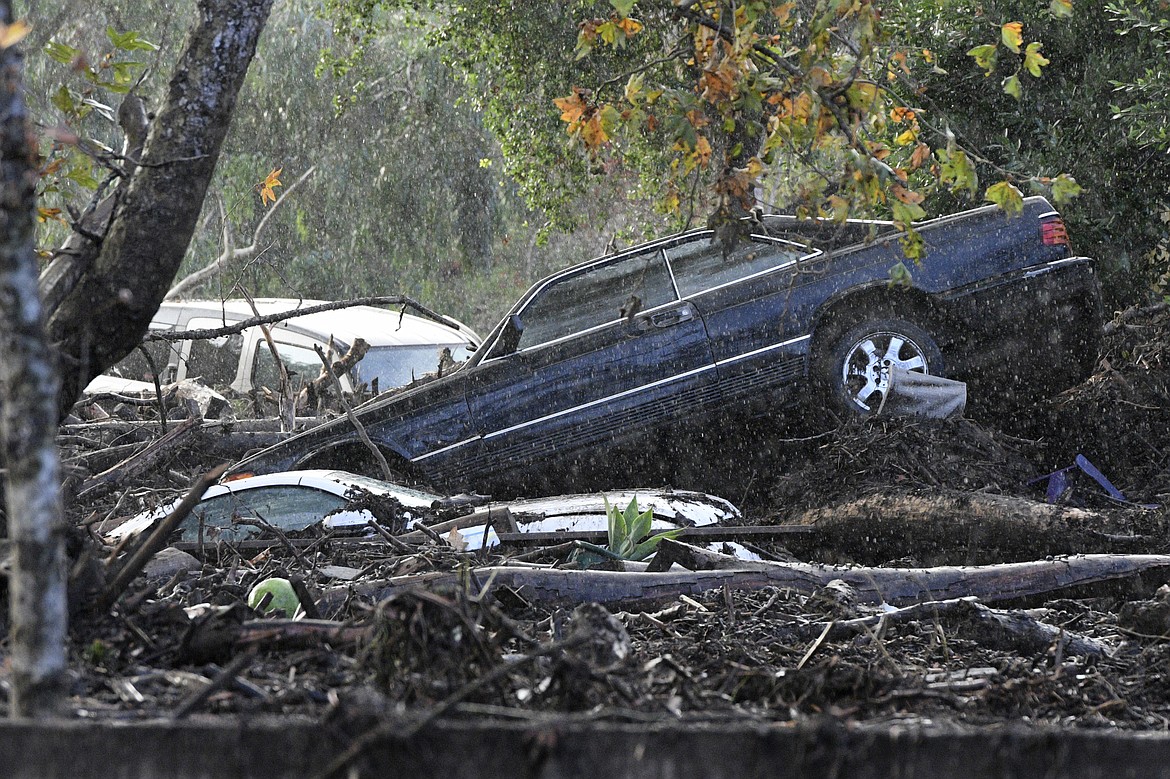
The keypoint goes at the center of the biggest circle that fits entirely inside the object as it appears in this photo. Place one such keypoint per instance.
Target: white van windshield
(395, 366)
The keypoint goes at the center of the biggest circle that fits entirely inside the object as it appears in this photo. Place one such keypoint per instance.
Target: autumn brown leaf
(270, 181)
(572, 107)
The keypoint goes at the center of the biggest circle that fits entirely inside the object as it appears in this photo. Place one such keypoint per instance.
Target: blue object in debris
(1058, 481)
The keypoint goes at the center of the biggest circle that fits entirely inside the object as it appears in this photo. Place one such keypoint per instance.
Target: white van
(402, 346)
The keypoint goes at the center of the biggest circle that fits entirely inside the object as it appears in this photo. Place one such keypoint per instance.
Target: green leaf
(81, 173)
(64, 100)
(985, 56)
(644, 549)
(1065, 188)
(640, 527)
(1012, 35)
(608, 32)
(957, 171)
(584, 45)
(616, 529)
(611, 119)
(905, 213)
(1006, 196)
(623, 7)
(900, 275)
(1011, 85)
(1033, 59)
(129, 41)
(913, 248)
(634, 87)
(61, 53)
(1061, 9)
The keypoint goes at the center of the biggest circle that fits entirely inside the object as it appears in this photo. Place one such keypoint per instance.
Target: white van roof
(378, 326)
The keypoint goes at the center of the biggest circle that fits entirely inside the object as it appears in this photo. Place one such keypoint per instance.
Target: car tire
(855, 369)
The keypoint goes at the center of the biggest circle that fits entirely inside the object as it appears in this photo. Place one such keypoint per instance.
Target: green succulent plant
(628, 531)
(629, 539)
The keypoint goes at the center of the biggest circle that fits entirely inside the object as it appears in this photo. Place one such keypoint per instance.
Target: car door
(749, 297)
(605, 351)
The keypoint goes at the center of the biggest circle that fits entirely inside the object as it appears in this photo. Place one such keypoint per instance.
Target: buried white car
(297, 500)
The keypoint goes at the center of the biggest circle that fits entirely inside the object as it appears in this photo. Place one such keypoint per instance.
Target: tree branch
(230, 254)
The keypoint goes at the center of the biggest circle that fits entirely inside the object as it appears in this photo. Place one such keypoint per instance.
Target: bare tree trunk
(28, 423)
(108, 305)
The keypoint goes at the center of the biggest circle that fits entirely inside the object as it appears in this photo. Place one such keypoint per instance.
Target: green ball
(284, 597)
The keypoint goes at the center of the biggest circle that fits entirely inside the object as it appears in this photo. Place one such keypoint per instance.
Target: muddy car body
(293, 501)
(599, 365)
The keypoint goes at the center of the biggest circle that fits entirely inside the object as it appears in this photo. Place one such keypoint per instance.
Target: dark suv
(597, 361)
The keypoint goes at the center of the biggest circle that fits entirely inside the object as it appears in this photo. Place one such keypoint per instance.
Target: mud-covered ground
(766, 654)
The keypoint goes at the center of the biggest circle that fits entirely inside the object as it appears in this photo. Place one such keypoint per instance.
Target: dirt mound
(879, 454)
(1120, 417)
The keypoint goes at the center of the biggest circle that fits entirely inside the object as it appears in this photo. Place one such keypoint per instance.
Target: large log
(893, 586)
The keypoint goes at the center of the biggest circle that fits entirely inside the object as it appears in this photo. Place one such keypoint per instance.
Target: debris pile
(404, 625)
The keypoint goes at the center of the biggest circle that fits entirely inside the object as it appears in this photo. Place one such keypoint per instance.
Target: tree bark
(106, 310)
(28, 423)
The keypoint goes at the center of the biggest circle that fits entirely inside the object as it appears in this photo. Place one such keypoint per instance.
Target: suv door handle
(672, 317)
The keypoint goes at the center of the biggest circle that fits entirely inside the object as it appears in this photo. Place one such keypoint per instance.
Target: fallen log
(894, 586)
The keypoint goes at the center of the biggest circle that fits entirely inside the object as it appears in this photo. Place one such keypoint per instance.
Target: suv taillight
(1054, 233)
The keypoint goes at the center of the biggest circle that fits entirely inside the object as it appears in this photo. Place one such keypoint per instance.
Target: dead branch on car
(315, 391)
(500, 518)
(353, 420)
(286, 401)
(268, 319)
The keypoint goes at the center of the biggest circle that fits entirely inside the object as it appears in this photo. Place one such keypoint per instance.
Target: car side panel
(547, 405)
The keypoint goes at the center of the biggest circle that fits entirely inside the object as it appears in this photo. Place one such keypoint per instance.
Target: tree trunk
(28, 423)
(107, 307)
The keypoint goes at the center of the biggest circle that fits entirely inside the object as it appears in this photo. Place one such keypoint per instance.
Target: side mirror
(510, 337)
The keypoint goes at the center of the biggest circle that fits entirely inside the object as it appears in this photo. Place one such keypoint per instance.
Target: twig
(222, 680)
(390, 538)
(367, 739)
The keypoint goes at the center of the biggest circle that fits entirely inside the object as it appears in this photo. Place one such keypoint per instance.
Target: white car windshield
(395, 366)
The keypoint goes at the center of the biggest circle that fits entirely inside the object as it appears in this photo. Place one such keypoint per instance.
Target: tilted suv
(608, 359)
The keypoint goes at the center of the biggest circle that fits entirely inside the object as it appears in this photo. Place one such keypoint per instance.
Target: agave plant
(628, 531)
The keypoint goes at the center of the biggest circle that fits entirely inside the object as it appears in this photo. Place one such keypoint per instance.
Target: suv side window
(299, 360)
(596, 295)
(215, 359)
(700, 264)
